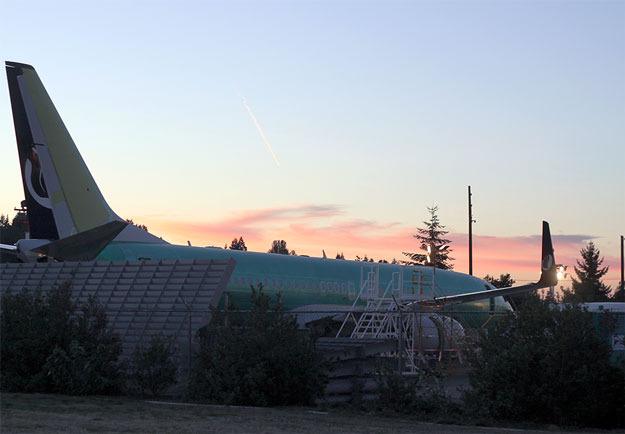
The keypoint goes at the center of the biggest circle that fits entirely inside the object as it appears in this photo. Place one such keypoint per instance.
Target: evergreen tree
(238, 244)
(10, 232)
(52, 344)
(504, 280)
(279, 246)
(619, 295)
(364, 259)
(140, 226)
(153, 366)
(340, 256)
(432, 235)
(20, 222)
(588, 286)
(545, 365)
(13, 230)
(259, 358)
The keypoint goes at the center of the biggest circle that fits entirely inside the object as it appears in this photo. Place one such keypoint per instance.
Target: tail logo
(548, 262)
(33, 177)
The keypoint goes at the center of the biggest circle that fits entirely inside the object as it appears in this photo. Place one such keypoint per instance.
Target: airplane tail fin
(548, 276)
(62, 198)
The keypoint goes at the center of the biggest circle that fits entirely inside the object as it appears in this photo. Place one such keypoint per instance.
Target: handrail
(363, 285)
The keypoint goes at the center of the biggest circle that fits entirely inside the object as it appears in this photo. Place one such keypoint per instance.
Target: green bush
(418, 394)
(29, 336)
(546, 365)
(51, 345)
(153, 369)
(260, 358)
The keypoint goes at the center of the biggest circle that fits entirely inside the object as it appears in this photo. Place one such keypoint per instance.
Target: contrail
(260, 130)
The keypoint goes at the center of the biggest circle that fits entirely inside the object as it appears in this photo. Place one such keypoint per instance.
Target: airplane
(70, 220)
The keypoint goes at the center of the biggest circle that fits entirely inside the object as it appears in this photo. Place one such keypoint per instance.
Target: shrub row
(546, 364)
(51, 344)
(539, 364)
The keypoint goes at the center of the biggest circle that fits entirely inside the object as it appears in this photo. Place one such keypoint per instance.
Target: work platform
(392, 312)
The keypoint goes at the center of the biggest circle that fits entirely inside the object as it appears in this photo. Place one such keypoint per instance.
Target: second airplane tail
(548, 276)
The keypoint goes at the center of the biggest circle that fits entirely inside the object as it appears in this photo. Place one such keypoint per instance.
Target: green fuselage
(311, 283)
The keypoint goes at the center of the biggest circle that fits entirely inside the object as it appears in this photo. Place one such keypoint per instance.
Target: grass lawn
(35, 413)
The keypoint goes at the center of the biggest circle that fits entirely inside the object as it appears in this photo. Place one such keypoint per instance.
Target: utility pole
(622, 280)
(471, 221)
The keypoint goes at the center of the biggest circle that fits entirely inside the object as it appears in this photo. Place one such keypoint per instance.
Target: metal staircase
(374, 320)
(389, 312)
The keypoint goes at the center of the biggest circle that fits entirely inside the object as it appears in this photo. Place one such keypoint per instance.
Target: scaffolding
(392, 311)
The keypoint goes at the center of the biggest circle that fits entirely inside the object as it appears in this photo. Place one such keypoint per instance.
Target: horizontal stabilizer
(479, 295)
(84, 246)
(548, 277)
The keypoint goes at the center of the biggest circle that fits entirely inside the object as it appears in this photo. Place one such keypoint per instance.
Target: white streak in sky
(260, 130)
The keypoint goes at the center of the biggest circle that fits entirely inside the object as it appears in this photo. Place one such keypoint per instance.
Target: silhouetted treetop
(432, 235)
(140, 226)
(238, 244)
(588, 287)
(280, 247)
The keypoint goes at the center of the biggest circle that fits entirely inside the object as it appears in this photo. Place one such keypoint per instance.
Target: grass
(36, 413)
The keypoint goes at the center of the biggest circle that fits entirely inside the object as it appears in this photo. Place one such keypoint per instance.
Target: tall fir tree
(588, 287)
(432, 235)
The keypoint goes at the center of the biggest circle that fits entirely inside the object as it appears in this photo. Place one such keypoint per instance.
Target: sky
(374, 111)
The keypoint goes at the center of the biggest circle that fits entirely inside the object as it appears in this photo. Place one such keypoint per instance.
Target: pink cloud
(309, 229)
(252, 224)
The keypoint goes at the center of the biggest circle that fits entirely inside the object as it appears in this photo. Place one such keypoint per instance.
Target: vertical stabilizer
(548, 261)
(46, 152)
(548, 265)
(62, 197)
(40, 217)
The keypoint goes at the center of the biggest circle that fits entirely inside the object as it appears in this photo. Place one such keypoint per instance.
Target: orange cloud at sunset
(309, 229)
